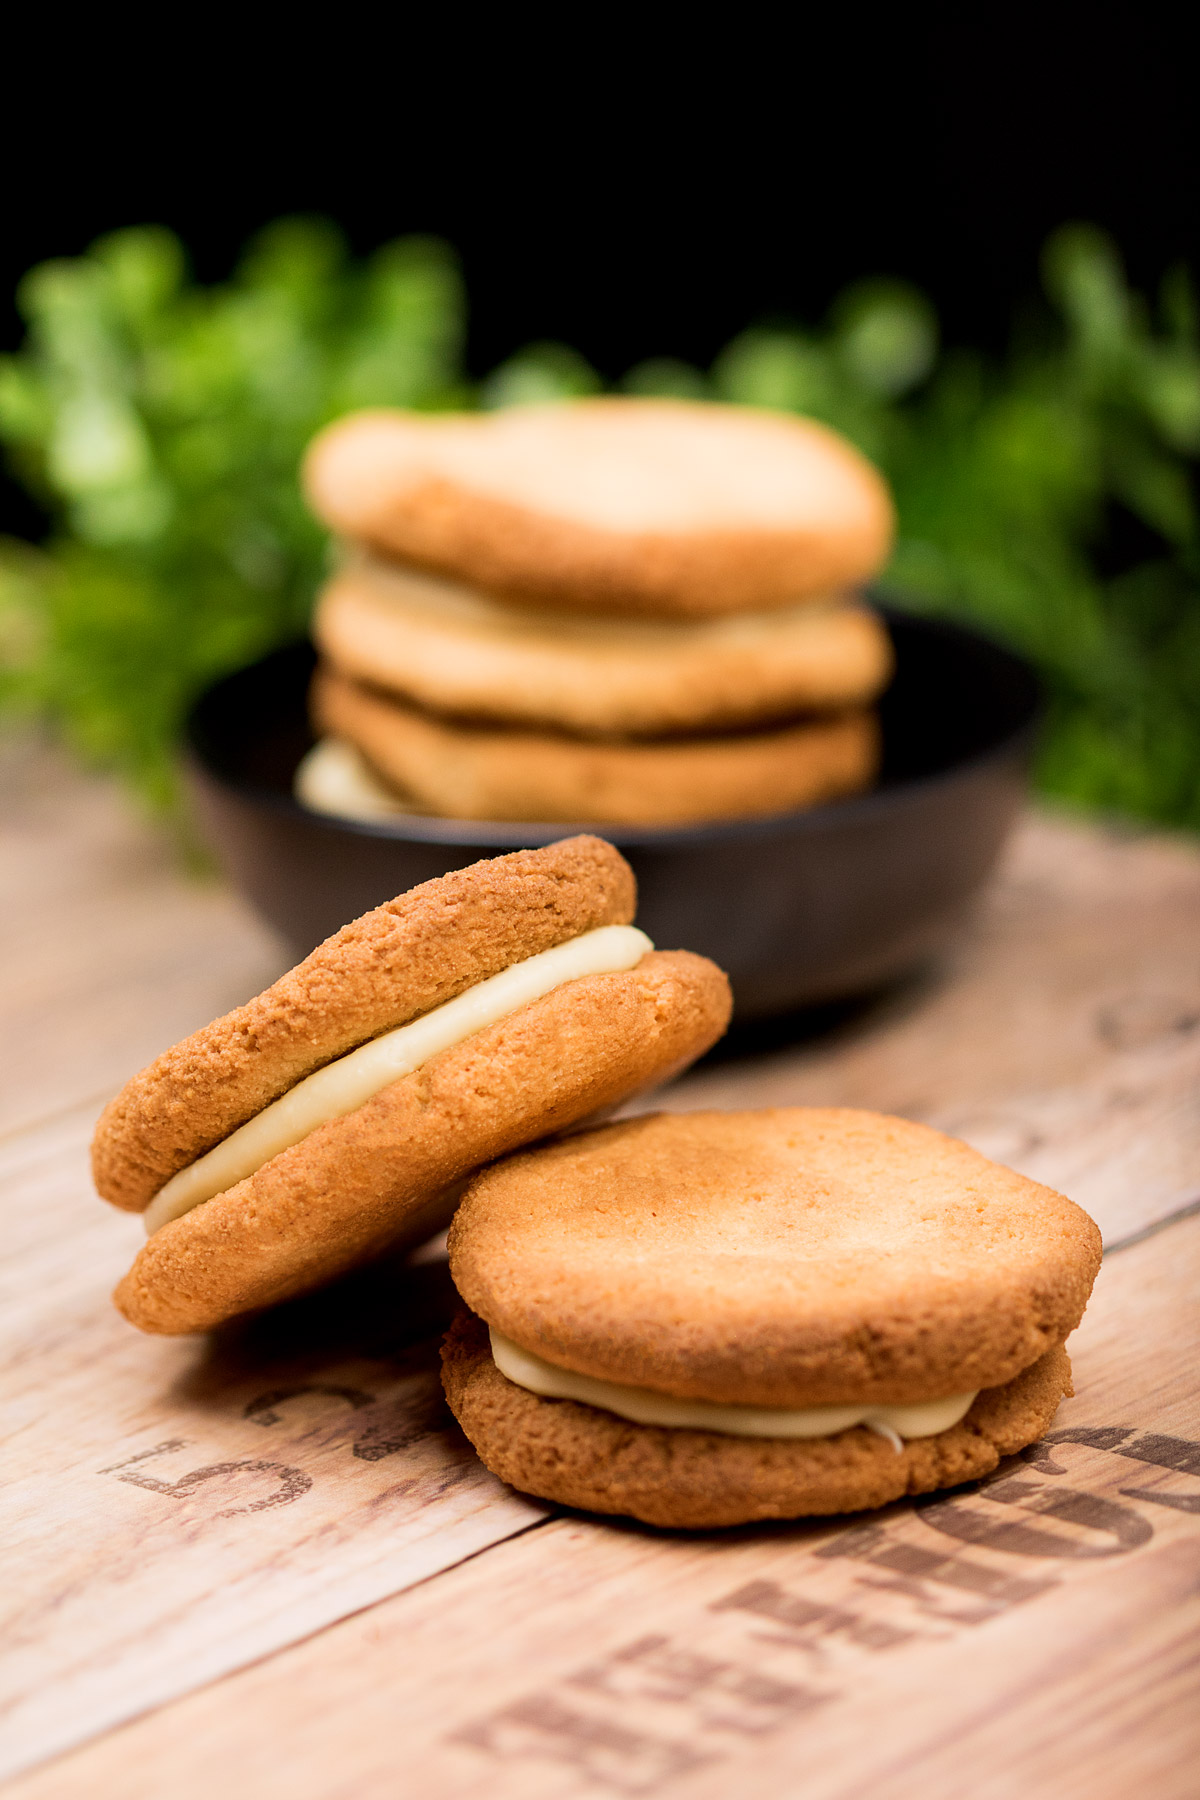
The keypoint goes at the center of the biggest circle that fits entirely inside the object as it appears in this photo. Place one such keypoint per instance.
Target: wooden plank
(1036, 1636)
(109, 951)
(1061, 1035)
(174, 1508)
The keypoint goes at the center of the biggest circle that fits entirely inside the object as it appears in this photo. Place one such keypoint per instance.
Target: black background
(633, 186)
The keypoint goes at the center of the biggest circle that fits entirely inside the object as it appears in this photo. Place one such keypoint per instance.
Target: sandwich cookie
(338, 1113)
(451, 649)
(463, 771)
(668, 508)
(710, 1318)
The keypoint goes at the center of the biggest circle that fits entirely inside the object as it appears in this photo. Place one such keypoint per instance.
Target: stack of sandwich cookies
(339, 1113)
(706, 1319)
(635, 611)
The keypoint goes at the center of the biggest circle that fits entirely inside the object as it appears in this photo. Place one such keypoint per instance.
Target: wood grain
(174, 1511)
(174, 1508)
(1061, 1035)
(108, 952)
(1038, 1635)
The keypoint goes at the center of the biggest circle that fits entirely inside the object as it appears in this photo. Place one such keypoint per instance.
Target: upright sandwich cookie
(339, 1113)
(710, 1318)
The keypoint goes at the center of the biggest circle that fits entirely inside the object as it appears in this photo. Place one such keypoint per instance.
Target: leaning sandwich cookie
(705, 1319)
(339, 1113)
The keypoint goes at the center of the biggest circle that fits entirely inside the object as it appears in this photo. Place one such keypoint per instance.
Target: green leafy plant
(1049, 497)
(161, 425)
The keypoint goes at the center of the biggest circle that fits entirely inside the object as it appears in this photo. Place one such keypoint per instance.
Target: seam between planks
(30, 1127)
(1188, 1210)
(95, 1737)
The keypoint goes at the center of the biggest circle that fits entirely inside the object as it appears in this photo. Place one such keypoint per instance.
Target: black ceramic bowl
(802, 908)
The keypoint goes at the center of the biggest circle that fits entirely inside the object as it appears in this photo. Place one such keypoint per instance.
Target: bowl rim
(506, 834)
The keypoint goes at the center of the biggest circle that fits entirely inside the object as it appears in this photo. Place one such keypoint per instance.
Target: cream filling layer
(924, 1418)
(447, 602)
(343, 1086)
(334, 778)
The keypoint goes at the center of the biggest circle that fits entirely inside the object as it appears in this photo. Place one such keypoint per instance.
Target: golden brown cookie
(659, 507)
(240, 1220)
(447, 648)
(580, 1456)
(792, 1259)
(481, 772)
(389, 1173)
(801, 1256)
(402, 959)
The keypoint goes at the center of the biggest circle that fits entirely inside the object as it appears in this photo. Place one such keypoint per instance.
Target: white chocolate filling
(923, 1418)
(343, 1086)
(335, 778)
(447, 602)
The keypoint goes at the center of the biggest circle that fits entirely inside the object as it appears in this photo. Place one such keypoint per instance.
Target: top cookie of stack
(636, 611)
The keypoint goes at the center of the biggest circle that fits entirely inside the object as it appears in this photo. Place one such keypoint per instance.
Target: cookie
(463, 771)
(450, 649)
(580, 1456)
(339, 1112)
(708, 1318)
(645, 507)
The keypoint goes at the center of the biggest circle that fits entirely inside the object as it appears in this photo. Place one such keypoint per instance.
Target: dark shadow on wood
(392, 1311)
(832, 1022)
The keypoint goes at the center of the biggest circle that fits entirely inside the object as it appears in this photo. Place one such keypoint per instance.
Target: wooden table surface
(265, 1563)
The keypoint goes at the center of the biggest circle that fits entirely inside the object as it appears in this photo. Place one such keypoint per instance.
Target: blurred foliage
(160, 424)
(1050, 497)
